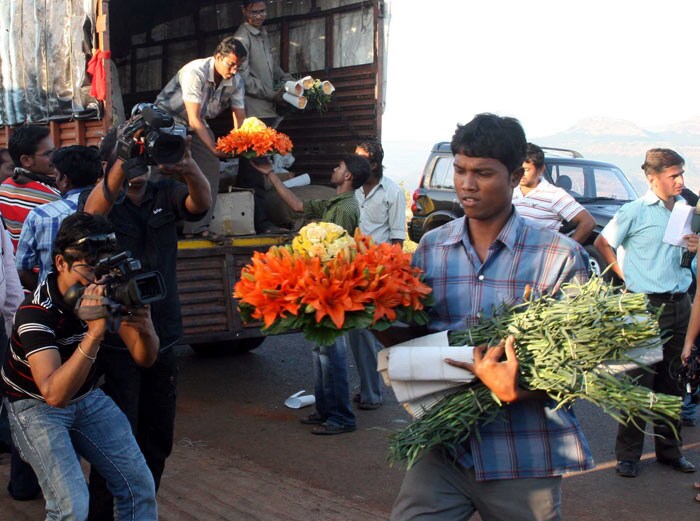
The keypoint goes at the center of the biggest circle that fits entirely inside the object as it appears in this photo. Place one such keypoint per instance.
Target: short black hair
(78, 226)
(246, 3)
(25, 140)
(79, 164)
(494, 137)
(376, 153)
(534, 155)
(359, 167)
(230, 45)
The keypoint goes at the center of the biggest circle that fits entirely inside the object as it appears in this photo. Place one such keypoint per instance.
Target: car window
(443, 175)
(569, 177)
(610, 183)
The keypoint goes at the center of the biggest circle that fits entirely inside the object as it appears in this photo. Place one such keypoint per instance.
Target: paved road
(241, 455)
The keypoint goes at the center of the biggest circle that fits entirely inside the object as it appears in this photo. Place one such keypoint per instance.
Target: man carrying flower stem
(511, 469)
(333, 408)
(649, 265)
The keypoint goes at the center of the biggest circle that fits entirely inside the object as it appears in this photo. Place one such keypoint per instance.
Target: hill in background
(624, 144)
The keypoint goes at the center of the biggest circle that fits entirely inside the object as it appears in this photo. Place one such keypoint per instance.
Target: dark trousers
(147, 397)
(630, 440)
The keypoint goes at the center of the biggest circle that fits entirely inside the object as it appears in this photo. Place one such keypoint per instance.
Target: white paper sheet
(679, 225)
(300, 180)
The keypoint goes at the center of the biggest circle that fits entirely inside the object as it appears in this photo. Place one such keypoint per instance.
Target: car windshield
(592, 182)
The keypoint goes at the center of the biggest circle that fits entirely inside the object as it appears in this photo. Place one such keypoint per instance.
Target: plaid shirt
(39, 231)
(530, 438)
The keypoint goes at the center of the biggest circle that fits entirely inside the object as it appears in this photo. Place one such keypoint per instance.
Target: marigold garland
(360, 285)
(254, 139)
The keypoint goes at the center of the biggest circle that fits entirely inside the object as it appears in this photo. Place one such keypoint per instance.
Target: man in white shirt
(382, 217)
(546, 204)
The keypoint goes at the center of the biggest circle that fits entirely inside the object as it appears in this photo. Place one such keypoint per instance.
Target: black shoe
(328, 429)
(626, 468)
(312, 419)
(678, 464)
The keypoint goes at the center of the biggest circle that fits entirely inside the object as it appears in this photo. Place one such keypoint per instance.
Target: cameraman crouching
(49, 380)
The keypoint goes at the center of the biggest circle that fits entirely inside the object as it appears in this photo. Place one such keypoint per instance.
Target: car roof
(444, 146)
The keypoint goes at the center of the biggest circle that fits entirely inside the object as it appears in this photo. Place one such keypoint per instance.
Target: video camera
(150, 137)
(126, 286)
(687, 258)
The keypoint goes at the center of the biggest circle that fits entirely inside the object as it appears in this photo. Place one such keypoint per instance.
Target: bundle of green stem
(561, 344)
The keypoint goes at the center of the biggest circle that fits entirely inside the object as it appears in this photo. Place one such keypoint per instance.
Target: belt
(667, 297)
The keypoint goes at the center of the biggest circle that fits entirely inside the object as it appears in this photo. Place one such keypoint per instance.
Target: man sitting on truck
(202, 90)
(145, 224)
(546, 204)
(333, 408)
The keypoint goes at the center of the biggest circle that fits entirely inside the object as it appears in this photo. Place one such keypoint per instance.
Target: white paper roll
(327, 87)
(294, 87)
(296, 101)
(307, 82)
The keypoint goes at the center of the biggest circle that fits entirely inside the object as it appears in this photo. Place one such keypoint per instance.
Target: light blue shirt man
(649, 264)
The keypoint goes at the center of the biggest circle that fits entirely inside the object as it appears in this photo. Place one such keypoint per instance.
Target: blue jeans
(331, 387)
(689, 409)
(49, 437)
(365, 347)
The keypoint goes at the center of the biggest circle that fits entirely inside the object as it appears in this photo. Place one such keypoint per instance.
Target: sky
(548, 63)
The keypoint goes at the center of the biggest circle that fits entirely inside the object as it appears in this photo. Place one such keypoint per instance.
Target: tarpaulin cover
(43, 49)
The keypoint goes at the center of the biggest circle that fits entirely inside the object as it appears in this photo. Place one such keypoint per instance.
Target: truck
(45, 50)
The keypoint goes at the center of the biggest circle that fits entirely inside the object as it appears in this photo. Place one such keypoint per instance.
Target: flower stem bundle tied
(563, 346)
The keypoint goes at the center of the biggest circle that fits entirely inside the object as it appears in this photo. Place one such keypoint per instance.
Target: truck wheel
(227, 348)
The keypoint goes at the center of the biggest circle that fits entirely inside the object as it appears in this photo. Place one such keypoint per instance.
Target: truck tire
(232, 347)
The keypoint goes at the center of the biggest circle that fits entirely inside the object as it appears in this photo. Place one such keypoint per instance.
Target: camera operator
(145, 223)
(202, 90)
(49, 378)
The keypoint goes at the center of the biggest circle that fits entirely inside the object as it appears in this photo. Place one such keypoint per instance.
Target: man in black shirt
(145, 223)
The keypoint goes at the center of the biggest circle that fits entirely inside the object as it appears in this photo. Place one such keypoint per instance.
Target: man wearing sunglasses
(202, 90)
(33, 182)
(49, 377)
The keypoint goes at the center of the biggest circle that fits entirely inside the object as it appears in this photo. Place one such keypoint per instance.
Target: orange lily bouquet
(327, 282)
(253, 138)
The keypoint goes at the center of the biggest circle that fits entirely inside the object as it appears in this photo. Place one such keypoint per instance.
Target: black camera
(126, 285)
(150, 137)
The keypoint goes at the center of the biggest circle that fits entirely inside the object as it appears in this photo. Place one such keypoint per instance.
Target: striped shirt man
(530, 438)
(18, 198)
(546, 205)
(43, 321)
